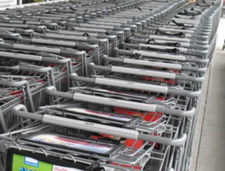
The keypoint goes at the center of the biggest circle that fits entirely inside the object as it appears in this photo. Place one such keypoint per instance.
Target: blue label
(31, 162)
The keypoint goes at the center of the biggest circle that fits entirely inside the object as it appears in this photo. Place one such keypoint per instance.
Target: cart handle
(135, 85)
(151, 54)
(128, 60)
(20, 110)
(35, 68)
(21, 56)
(55, 50)
(159, 55)
(13, 83)
(146, 72)
(43, 57)
(7, 34)
(85, 45)
(77, 96)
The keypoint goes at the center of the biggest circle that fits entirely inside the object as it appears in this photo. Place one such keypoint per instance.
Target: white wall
(7, 3)
(220, 34)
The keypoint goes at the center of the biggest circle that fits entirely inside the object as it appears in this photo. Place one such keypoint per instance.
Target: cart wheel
(95, 167)
(151, 165)
(99, 169)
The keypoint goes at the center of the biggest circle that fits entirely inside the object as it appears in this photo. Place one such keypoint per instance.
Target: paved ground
(209, 142)
(211, 153)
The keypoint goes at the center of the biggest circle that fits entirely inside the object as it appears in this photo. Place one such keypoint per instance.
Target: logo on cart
(25, 169)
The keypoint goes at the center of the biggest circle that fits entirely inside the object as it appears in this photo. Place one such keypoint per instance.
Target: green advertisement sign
(22, 163)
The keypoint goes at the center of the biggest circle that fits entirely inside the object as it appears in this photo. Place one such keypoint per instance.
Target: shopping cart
(111, 99)
(128, 157)
(67, 158)
(62, 67)
(22, 83)
(126, 73)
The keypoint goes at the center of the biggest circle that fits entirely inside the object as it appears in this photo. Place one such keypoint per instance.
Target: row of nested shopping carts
(103, 85)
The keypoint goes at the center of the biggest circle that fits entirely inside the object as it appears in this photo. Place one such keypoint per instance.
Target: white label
(60, 168)
(31, 160)
(108, 168)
